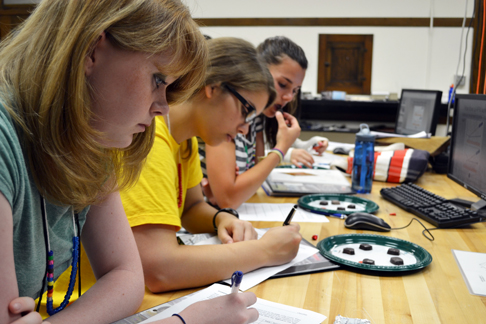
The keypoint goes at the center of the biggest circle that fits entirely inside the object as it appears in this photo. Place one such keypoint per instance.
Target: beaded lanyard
(50, 264)
(179, 177)
(179, 169)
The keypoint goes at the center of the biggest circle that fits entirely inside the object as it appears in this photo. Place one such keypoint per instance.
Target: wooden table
(437, 294)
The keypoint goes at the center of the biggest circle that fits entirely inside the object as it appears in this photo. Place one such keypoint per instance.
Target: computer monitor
(468, 146)
(418, 111)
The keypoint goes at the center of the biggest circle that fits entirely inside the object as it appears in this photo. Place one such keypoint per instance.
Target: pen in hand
(236, 281)
(289, 217)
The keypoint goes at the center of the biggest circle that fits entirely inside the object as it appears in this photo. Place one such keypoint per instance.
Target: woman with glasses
(287, 63)
(236, 88)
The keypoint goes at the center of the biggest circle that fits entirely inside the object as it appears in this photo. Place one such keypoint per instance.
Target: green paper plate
(311, 203)
(423, 258)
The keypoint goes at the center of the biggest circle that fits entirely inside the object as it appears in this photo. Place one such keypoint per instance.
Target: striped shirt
(245, 148)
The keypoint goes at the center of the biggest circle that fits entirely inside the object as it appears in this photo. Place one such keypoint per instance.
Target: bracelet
(227, 210)
(179, 317)
(278, 152)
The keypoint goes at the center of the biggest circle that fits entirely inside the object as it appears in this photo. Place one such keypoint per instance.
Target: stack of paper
(473, 270)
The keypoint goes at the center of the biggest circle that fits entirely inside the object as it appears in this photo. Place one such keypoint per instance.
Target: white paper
(325, 160)
(421, 134)
(473, 269)
(256, 276)
(270, 312)
(277, 213)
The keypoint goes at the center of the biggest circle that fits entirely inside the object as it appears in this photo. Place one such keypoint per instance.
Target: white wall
(403, 57)
(327, 8)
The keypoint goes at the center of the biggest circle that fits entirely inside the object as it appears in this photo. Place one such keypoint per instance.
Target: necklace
(246, 157)
(179, 177)
(179, 169)
(50, 264)
(248, 143)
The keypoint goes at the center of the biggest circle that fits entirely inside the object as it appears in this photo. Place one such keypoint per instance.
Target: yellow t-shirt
(153, 200)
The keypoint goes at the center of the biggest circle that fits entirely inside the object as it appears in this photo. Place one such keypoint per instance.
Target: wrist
(282, 148)
(278, 152)
(230, 211)
(180, 317)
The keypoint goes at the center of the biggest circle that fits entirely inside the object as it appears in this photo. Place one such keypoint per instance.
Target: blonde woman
(80, 83)
(236, 89)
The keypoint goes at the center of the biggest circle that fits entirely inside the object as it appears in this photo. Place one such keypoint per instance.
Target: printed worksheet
(277, 213)
(270, 312)
(256, 276)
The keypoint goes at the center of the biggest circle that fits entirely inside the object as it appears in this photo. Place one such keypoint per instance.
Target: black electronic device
(468, 147)
(434, 209)
(418, 111)
(467, 151)
(366, 221)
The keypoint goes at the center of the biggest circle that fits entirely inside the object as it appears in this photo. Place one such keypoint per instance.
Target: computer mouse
(366, 221)
(340, 150)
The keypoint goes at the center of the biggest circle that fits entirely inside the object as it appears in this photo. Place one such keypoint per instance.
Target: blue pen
(236, 281)
(341, 216)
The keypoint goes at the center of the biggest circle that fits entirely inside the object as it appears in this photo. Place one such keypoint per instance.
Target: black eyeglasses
(250, 110)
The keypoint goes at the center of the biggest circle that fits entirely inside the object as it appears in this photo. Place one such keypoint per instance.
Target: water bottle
(363, 161)
(451, 97)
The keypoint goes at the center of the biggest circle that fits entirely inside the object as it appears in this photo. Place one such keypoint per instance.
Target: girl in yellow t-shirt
(237, 88)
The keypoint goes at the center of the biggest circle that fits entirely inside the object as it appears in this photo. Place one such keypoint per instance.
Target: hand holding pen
(236, 279)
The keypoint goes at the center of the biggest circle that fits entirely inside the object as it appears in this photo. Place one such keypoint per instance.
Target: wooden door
(345, 63)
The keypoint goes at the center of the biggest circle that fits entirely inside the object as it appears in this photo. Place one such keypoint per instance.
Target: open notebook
(299, 182)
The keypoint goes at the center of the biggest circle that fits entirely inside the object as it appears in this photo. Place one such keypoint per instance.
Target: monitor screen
(418, 111)
(468, 144)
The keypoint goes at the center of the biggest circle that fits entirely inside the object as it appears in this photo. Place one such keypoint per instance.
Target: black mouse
(341, 150)
(366, 221)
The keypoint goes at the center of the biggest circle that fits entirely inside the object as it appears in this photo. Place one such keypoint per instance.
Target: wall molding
(21, 10)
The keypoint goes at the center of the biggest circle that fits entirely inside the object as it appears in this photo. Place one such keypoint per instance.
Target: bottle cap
(364, 134)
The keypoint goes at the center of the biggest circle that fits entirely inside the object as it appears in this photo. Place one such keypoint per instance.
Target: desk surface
(437, 294)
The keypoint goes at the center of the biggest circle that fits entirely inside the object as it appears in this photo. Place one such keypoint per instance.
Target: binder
(299, 182)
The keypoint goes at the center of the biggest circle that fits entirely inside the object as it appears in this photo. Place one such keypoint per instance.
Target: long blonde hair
(43, 87)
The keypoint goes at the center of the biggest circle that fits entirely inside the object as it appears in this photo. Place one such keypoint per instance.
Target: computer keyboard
(428, 206)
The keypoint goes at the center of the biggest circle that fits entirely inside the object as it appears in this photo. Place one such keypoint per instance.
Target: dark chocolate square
(365, 247)
(393, 251)
(349, 251)
(396, 261)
